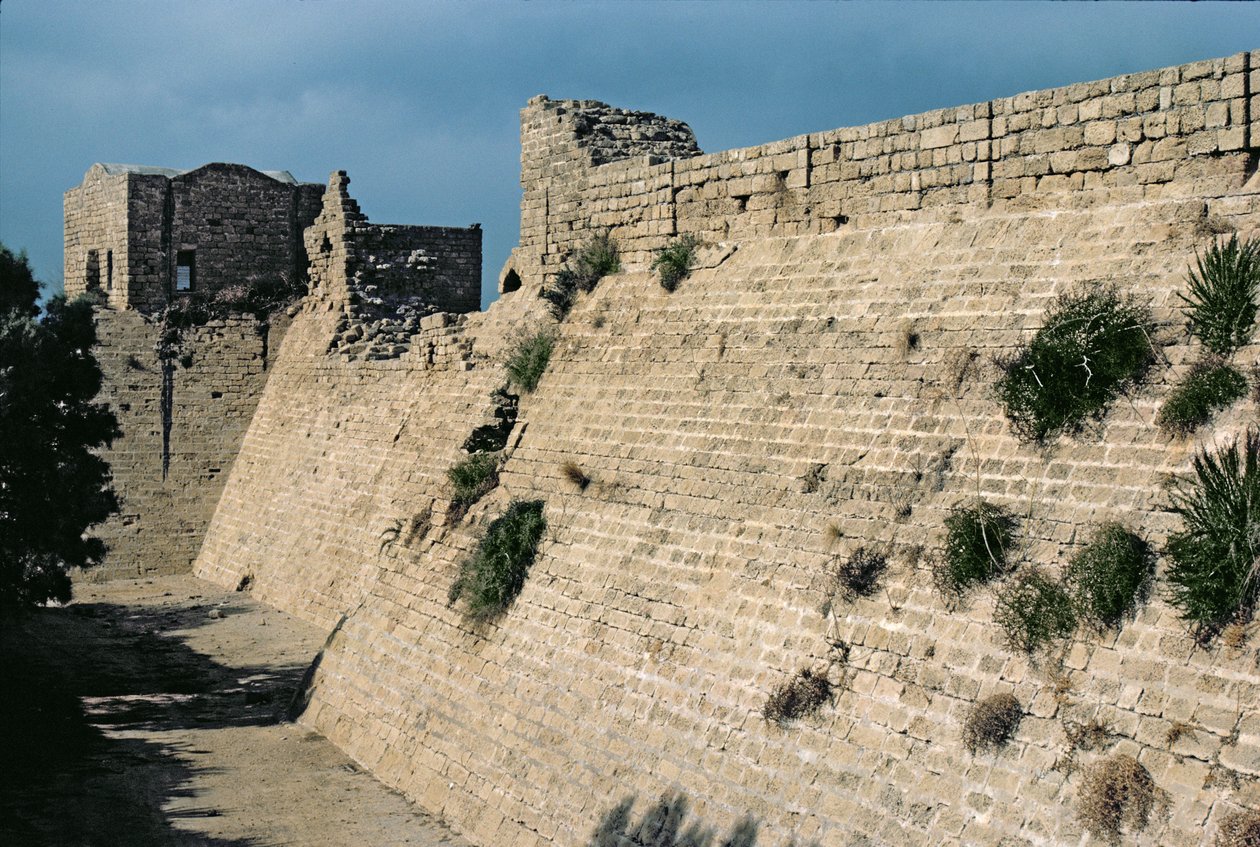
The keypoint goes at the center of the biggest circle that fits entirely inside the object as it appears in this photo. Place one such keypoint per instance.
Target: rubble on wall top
(610, 134)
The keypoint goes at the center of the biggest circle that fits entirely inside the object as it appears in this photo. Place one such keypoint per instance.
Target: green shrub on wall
(1095, 344)
(1107, 576)
(1221, 305)
(977, 537)
(673, 262)
(590, 263)
(1214, 570)
(529, 359)
(1210, 385)
(491, 578)
(472, 478)
(1034, 610)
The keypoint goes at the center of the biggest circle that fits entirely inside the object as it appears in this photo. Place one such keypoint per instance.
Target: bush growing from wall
(1094, 345)
(1106, 577)
(858, 575)
(472, 478)
(1224, 287)
(673, 262)
(1117, 792)
(1240, 829)
(1211, 385)
(490, 579)
(590, 263)
(1034, 610)
(976, 542)
(803, 694)
(1214, 571)
(528, 360)
(992, 722)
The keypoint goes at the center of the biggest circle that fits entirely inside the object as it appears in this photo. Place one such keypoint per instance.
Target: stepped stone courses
(724, 427)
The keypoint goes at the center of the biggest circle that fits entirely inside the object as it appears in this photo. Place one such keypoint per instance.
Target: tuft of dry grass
(957, 367)
(1234, 636)
(1061, 685)
(1091, 735)
(992, 722)
(907, 338)
(801, 695)
(575, 475)
(1177, 731)
(1240, 829)
(833, 533)
(1117, 793)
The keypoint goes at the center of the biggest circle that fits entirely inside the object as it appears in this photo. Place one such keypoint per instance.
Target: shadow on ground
(78, 682)
(668, 823)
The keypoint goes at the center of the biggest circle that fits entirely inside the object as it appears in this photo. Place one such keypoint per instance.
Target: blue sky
(419, 101)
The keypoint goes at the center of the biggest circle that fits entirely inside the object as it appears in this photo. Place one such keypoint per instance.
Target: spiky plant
(1214, 575)
(1221, 304)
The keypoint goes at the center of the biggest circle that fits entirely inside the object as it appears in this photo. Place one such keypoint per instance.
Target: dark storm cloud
(419, 101)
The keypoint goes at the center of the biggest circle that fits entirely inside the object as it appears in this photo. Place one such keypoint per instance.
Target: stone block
(941, 136)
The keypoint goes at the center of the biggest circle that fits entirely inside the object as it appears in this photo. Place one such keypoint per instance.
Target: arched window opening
(511, 282)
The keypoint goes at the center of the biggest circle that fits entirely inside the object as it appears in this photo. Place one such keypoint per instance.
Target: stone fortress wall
(183, 420)
(581, 172)
(182, 427)
(829, 363)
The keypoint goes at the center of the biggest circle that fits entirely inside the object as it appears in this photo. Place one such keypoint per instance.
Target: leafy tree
(18, 288)
(52, 486)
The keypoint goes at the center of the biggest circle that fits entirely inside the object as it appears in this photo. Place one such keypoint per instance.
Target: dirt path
(150, 712)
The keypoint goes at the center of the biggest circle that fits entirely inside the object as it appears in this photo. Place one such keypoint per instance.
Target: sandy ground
(151, 712)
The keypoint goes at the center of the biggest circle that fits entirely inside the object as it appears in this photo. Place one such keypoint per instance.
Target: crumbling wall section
(384, 279)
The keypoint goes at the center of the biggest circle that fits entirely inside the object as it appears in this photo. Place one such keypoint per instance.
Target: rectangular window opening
(109, 270)
(185, 270)
(93, 270)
